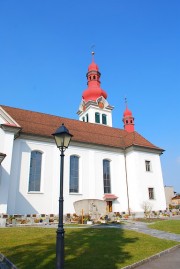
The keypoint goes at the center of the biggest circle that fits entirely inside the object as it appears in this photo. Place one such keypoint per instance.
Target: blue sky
(45, 50)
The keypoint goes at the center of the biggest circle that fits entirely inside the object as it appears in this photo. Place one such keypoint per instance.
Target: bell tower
(94, 107)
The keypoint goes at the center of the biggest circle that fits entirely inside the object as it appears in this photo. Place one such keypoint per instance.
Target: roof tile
(41, 124)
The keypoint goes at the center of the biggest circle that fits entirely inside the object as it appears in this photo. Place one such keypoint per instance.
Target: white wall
(6, 146)
(139, 180)
(91, 178)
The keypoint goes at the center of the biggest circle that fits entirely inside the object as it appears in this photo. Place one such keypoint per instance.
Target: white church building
(118, 166)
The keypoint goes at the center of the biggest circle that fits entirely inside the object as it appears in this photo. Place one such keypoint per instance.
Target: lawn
(88, 248)
(171, 226)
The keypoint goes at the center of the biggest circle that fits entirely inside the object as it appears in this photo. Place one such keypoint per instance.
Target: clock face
(101, 105)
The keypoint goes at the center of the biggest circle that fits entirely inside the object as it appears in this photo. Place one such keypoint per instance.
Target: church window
(74, 174)
(35, 171)
(87, 118)
(94, 77)
(148, 166)
(106, 176)
(83, 118)
(104, 119)
(126, 121)
(151, 193)
(97, 117)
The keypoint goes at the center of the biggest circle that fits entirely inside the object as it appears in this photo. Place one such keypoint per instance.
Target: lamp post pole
(60, 229)
(62, 138)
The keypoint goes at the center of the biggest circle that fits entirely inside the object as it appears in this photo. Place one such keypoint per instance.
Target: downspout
(127, 188)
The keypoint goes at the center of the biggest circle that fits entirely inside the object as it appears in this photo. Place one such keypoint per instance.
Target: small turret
(128, 119)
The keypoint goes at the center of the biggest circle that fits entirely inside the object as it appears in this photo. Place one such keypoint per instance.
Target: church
(102, 163)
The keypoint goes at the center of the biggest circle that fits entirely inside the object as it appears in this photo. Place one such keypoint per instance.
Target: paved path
(143, 228)
(169, 259)
(166, 260)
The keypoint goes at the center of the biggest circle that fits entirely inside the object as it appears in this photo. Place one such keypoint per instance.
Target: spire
(94, 91)
(128, 119)
(92, 56)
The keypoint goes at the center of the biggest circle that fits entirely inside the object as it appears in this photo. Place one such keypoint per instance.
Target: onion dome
(93, 67)
(94, 91)
(127, 113)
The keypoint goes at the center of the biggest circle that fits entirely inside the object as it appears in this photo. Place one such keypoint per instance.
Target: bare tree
(147, 207)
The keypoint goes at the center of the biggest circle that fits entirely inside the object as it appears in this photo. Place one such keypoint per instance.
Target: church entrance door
(109, 206)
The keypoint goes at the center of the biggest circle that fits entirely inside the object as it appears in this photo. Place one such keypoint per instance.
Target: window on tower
(87, 118)
(104, 119)
(97, 117)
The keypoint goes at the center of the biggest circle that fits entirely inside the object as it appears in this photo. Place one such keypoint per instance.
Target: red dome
(127, 113)
(93, 66)
(93, 93)
(94, 90)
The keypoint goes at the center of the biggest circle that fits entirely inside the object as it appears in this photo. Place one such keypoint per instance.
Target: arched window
(35, 171)
(97, 117)
(74, 174)
(104, 119)
(106, 176)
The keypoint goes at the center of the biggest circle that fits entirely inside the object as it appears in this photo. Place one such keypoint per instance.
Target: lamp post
(62, 138)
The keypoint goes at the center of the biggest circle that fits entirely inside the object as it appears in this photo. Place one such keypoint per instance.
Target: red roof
(176, 197)
(110, 196)
(40, 124)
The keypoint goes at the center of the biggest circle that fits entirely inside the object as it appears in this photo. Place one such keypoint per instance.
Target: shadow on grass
(84, 248)
(97, 249)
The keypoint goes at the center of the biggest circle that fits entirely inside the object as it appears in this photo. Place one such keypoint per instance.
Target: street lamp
(62, 138)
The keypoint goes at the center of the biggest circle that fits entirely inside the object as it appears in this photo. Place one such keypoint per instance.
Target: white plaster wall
(24, 202)
(46, 201)
(139, 180)
(91, 178)
(6, 146)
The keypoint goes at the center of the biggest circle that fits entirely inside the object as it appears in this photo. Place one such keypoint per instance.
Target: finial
(125, 101)
(92, 52)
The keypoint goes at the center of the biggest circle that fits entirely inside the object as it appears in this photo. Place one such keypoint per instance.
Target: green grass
(85, 248)
(171, 226)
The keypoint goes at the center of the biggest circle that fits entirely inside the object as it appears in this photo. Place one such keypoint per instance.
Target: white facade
(129, 178)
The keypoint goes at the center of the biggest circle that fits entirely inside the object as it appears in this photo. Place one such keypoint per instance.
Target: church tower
(128, 119)
(94, 107)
